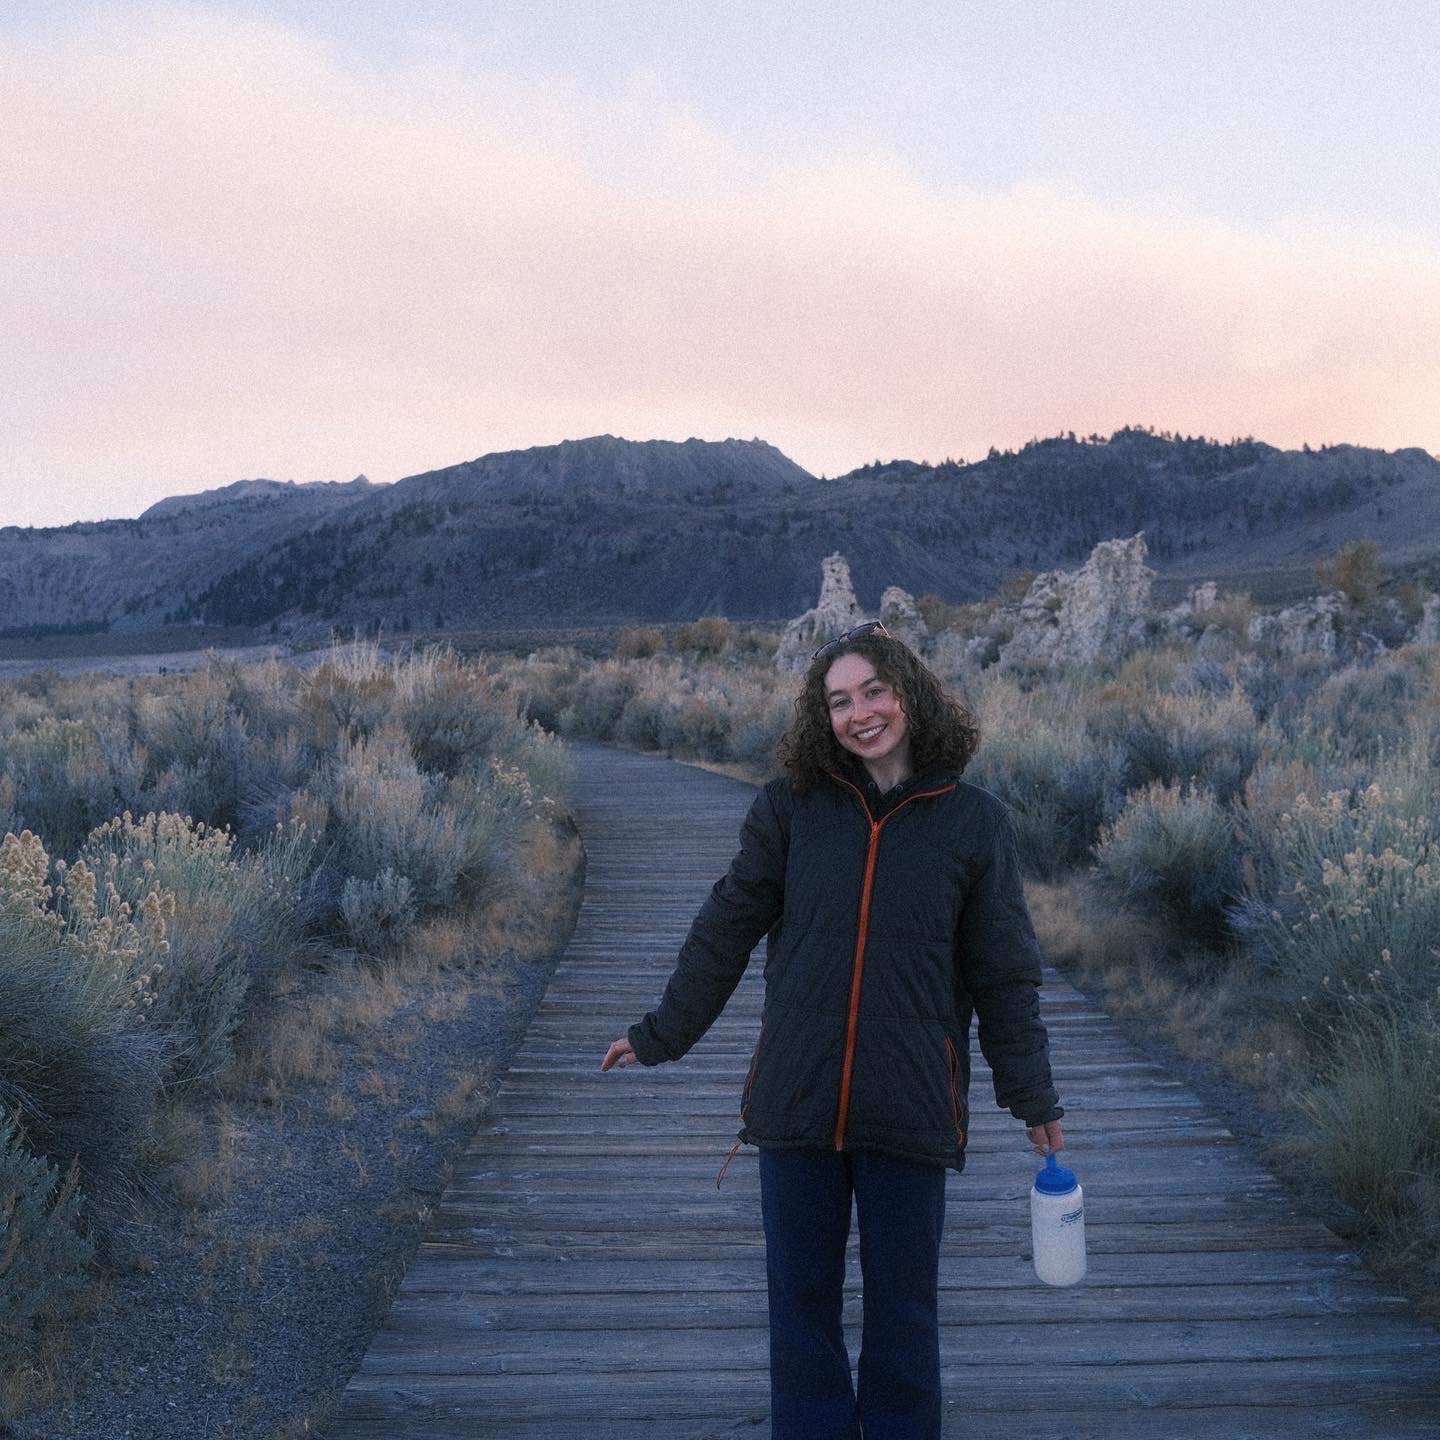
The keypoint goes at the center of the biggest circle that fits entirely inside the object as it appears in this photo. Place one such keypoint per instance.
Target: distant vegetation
(1243, 850)
(177, 850)
(42, 631)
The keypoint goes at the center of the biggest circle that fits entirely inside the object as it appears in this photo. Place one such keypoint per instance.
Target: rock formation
(1304, 629)
(900, 617)
(1428, 631)
(835, 612)
(1095, 615)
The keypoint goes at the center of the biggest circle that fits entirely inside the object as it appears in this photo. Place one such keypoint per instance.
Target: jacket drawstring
(726, 1165)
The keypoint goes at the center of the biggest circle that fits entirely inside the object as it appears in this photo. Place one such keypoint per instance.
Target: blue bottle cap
(1055, 1179)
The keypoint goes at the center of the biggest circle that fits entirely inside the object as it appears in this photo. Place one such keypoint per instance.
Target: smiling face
(867, 718)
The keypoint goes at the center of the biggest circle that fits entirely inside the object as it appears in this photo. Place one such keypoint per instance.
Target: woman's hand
(1044, 1138)
(620, 1053)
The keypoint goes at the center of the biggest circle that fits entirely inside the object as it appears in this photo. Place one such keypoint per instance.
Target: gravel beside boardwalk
(584, 1277)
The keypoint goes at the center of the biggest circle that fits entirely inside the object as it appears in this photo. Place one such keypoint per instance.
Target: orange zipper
(872, 853)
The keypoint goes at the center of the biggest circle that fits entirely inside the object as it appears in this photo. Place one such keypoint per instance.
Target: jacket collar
(878, 802)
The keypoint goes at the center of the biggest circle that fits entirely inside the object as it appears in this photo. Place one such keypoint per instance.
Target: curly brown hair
(943, 732)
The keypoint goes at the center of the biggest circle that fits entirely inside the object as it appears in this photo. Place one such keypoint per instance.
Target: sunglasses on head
(870, 627)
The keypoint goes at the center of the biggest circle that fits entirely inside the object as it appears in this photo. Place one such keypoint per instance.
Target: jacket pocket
(957, 1105)
(750, 1075)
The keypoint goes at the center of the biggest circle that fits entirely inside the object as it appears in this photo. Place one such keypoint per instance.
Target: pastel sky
(306, 240)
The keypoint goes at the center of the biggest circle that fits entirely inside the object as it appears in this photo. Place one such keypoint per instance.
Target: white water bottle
(1057, 1225)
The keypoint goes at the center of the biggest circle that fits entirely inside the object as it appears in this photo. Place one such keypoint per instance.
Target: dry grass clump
(639, 642)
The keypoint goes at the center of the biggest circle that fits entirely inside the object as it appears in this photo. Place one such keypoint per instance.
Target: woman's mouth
(865, 736)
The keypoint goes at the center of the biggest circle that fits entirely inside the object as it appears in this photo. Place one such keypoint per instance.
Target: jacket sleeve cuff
(643, 1041)
(1035, 1117)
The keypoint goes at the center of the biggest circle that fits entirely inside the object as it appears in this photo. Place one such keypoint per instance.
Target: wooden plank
(736, 1309)
(1396, 1421)
(442, 1266)
(584, 1276)
(653, 1398)
(450, 1348)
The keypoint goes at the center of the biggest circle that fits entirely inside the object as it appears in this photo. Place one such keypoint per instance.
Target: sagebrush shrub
(597, 699)
(45, 1251)
(233, 917)
(1060, 793)
(1374, 1101)
(1172, 850)
(1372, 708)
(377, 914)
(1200, 740)
(61, 787)
(755, 739)
(80, 1065)
(1347, 877)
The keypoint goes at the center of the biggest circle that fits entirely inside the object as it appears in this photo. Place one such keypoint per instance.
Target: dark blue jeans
(805, 1198)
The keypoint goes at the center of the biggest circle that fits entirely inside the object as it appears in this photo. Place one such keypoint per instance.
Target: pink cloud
(231, 257)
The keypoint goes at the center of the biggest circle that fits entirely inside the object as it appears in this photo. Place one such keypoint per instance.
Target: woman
(890, 892)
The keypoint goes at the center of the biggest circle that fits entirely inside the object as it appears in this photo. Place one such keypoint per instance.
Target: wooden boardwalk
(584, 1278)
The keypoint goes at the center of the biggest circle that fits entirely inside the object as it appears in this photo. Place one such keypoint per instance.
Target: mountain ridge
(243, 491)
(604, 528)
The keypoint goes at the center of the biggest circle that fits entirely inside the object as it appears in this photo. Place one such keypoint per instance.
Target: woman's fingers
(1047, 1138)
(619, 1053)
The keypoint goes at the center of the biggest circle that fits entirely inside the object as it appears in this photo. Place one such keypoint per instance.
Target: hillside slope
(128, 574)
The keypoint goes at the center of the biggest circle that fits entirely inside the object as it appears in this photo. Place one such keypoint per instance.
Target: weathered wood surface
(584, 1277)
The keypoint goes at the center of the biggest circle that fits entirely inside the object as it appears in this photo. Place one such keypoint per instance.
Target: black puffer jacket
(891, 920)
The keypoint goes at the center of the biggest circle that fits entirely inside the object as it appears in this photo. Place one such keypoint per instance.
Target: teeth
(869, 734)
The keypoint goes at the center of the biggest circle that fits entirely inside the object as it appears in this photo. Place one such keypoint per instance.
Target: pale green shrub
(351, 694)
(1231, 612)
(755, 739)
(378, 913)
(1347, 878)
(454, 719)
(235, 917)
(645, 719)
(1375, 1099)
(492, 812)
(597, 700)
(1198, 739)
(1268, 687)
(386, 815)
(1172, 851)
(699, 724)
(543, 684)
(44, 1251)
(1371, 709)
(115, 949)
(60, 784)
(545, 762)
(1060, 792)
(1202, 675)
(80, 1064)
(200, 753)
